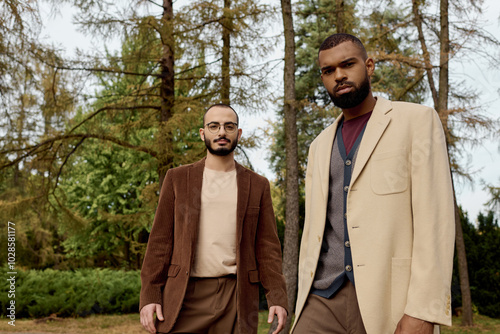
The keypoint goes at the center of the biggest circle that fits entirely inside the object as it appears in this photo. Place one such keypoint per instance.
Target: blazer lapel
(243, 182)
(374, 129)
(323, 154)
(194, 185)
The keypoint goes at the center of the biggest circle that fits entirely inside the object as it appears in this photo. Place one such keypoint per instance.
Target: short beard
(354, 98)
(222, 151)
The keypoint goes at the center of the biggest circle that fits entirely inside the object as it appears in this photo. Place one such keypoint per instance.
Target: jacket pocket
(253, 276)
(173, 270)
(389, 172)
(400, 281)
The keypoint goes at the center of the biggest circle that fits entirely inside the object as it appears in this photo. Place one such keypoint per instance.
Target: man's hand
(147, 317)
(280, 313)
(411, 325)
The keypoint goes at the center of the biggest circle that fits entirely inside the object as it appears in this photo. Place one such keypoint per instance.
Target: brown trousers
(337, 315)
(209, 307)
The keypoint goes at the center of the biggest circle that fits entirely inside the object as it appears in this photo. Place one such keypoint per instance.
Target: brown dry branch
(42, 146)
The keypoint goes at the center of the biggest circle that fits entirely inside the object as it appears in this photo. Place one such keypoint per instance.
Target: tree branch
(421, 38)
(66, 160)
(111, 108)
(105, 70)
(32, 149)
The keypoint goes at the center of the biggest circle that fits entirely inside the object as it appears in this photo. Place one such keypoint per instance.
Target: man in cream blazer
(398, 211)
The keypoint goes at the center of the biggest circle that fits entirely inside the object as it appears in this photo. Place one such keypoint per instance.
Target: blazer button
(348, 268)
(348, 162)
(347, 244)
(346, 188)
(312, 274)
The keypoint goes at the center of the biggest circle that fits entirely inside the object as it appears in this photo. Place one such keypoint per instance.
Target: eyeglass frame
(218, 130)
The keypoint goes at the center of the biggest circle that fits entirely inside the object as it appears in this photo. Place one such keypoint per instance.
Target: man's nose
(340, 75)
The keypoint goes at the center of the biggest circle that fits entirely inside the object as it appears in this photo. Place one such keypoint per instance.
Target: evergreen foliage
(110, 189)
(40, 293)
(482, 241)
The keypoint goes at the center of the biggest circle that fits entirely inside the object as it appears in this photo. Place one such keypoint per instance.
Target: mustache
(344, 84)
(221, 138)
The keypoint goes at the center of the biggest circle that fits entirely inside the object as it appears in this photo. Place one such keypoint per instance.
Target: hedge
(71, 293)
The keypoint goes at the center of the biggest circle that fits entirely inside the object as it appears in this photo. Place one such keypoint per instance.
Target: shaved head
(336, 39)
(221, 105)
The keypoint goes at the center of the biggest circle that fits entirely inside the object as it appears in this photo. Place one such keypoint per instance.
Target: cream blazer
(400, 217)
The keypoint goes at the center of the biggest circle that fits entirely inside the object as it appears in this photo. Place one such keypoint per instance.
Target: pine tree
(168, 72)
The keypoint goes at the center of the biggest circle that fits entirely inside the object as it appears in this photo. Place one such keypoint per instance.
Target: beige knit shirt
(216, 249)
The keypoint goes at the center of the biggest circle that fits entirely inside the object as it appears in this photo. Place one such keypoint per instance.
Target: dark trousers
(337, 315)
(209, 307)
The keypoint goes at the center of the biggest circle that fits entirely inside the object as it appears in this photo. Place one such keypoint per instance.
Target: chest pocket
(389, 172)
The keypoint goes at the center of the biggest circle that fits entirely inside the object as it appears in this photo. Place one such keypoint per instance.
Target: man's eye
(213, 126)
(230, 127)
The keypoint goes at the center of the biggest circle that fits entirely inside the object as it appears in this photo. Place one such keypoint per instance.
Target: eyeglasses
(229, 127)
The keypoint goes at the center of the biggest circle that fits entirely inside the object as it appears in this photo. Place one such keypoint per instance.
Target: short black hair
(222, 105)
(336, 39)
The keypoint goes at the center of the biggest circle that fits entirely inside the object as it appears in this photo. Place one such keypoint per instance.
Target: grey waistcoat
(335, 260)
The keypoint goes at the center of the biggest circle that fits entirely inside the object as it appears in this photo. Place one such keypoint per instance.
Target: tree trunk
(166, 89)
(442, 109)
(463, 270)
(291, 243)
(339, 11)
(444, 57)
(441, 105)
(226, 52)
(427, 60)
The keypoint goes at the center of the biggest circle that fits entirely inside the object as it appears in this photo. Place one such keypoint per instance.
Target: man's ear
(239, 133)
(370, 66)
(202, 134)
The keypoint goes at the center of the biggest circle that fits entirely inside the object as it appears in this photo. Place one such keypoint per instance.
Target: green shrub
(72, 293)
(482, 244)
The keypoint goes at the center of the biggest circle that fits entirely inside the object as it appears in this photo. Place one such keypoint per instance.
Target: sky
(483, 160)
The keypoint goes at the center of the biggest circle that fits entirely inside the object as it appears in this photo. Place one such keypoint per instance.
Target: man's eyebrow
(215, 122)
(341, 63)
(325, 68)
(348, 60)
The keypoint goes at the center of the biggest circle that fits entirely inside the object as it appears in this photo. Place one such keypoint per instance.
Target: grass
(112, 324)
(129, 324)
(482, 324)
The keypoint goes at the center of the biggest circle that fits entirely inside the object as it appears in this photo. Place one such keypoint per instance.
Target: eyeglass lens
(228, 127)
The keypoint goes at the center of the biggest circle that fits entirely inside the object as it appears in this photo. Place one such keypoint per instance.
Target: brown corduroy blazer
(171, 246)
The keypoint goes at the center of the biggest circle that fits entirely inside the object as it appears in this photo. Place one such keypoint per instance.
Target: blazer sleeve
(268, 253)
(433, 222)
(159, 249)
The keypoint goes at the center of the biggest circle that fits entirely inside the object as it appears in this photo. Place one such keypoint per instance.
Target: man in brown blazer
(376, 254)
(213, 240)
